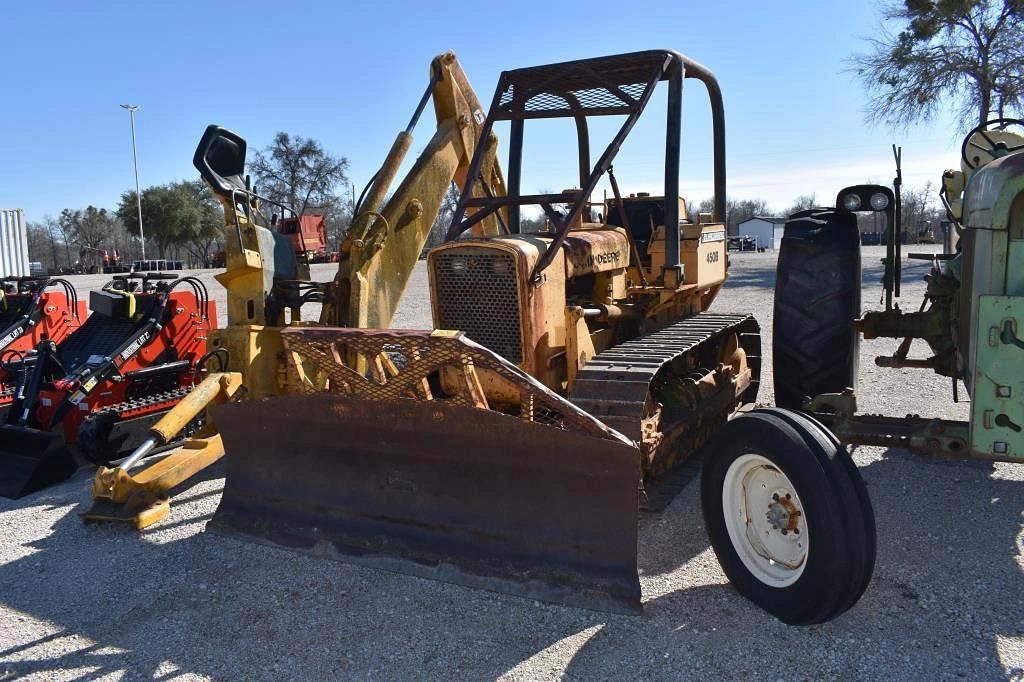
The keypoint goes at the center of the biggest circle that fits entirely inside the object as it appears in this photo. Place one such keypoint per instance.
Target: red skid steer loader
(99, 389)
(32, 310)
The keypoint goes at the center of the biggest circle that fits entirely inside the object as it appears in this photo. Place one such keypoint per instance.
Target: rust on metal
(416, 358)
(459, 494)
(670, 390)
(540, 502)
(593, 251)
(925, 436)
(921, 435)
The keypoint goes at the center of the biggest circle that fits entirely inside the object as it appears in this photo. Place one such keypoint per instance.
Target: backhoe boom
(386, 239)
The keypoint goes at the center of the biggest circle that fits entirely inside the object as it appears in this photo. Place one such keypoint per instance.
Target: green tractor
(972, 318)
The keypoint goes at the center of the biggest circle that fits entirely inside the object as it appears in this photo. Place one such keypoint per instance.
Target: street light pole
(138, 193)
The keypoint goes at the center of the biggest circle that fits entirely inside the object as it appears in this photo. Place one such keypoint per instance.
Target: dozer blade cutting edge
(432, 487)
(31, 459)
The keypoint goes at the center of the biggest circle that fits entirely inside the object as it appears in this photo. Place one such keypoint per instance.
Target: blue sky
(350, 73)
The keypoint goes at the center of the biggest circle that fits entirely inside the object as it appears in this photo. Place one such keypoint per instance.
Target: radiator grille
(477, 294)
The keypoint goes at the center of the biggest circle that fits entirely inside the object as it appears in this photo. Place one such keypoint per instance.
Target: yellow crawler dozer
(571, 370)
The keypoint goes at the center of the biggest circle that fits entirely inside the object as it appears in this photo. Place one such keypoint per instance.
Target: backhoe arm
(381, 248)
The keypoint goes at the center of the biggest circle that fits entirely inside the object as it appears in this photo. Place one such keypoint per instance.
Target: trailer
(308, 234)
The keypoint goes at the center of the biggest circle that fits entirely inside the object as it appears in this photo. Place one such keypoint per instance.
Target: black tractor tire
(810, 425)
(817, 298)
(791, 453)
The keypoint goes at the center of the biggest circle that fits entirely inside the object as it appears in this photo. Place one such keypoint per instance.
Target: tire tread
(817, 298)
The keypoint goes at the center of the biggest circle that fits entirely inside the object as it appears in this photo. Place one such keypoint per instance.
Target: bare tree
(337, 216)
(44, 242)
(89, 229)
(801, 203)
(736, 211)
(299, 173)
(919, 210)
(444, 217)
(968, 53)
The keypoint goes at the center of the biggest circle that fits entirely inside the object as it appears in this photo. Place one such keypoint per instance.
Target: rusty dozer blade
(540, 503)
(31, 459)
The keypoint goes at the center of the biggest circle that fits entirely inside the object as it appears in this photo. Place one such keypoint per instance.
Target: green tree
(161, 216)
(299, 173)
(207, 222)
(965, 53)
(178, 214)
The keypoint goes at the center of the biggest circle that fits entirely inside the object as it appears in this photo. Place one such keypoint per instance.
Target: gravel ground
(102, 602)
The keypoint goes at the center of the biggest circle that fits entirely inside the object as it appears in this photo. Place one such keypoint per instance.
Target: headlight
(499, 266)
(459, 266)
(879, 201)
(851, 202)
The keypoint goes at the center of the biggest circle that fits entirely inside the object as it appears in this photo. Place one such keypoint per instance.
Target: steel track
(615, 384)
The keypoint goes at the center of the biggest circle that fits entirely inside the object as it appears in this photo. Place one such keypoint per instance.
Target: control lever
(1009, 337)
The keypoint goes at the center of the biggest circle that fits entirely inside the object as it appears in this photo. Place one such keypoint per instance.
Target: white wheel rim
(765, 520)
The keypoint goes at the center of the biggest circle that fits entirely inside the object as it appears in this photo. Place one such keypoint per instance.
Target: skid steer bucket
(390, 471)
(31, 459)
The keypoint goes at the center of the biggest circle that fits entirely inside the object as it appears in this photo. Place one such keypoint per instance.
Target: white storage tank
(13, 243)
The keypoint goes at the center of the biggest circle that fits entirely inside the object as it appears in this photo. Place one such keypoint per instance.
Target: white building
(765, 231)
(13, 243)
